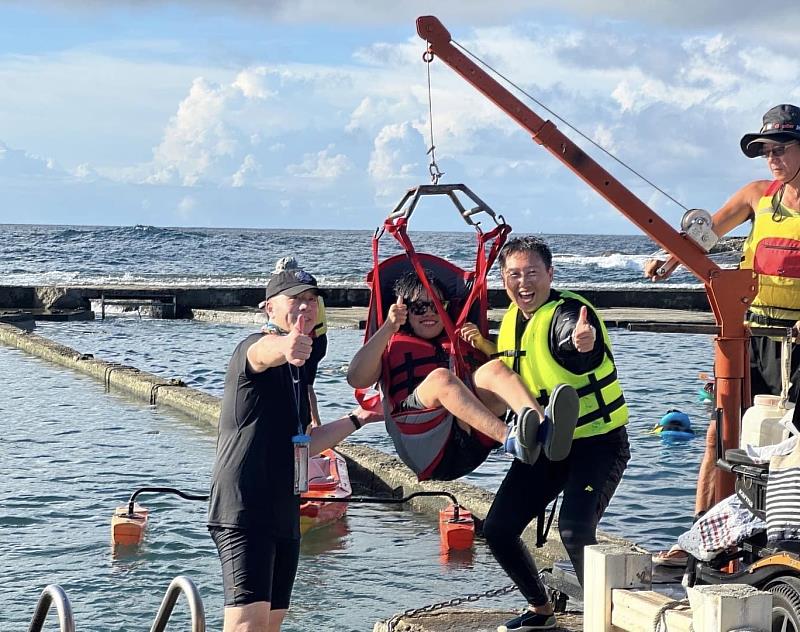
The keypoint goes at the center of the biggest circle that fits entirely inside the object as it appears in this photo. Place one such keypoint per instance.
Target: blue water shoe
(529, 620)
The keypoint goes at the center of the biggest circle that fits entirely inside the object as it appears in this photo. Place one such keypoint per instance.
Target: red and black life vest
(409, 359)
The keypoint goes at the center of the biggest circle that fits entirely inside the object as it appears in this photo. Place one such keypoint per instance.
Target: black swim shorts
(256, 567)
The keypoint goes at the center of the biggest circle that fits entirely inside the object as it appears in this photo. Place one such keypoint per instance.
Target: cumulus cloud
(322, 165)
(666, 100)
(392, 165)
(16, 162)
(248, 168)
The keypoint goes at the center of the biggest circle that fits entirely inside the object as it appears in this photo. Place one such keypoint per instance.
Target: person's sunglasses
(418, 308)
(774, 150)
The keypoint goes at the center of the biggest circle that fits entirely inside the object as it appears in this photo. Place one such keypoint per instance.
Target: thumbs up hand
(398, 315)
(297, 343)
(584, 335)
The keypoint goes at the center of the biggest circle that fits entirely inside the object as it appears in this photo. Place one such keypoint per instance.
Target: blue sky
(314, 114)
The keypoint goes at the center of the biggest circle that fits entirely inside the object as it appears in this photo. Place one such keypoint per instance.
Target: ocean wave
(608, 260)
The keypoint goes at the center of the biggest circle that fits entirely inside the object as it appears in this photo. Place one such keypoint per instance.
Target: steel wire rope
(433, 168)
(568, 124)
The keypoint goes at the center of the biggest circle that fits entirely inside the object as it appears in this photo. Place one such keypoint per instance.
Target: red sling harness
(420, 437)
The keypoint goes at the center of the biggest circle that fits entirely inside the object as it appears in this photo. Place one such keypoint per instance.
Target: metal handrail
(181, 584)
(53, 594)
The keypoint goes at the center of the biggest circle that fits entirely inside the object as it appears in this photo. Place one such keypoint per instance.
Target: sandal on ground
(560, 419)
(676, 557)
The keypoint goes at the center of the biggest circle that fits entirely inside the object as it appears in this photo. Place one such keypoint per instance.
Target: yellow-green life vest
(321, 326)
(773, 251)
(602, 403)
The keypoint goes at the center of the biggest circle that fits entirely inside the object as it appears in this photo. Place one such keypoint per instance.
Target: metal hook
(433, 168)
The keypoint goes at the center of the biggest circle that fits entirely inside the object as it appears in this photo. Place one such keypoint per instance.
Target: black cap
(781, 124)
(290, 283)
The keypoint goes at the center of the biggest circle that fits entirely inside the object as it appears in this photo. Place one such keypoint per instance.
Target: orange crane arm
(729, 291)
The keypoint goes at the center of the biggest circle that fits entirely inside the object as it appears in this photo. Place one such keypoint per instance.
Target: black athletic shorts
(256, 567)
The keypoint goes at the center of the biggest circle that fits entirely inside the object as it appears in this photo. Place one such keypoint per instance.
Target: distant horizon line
(252, 228)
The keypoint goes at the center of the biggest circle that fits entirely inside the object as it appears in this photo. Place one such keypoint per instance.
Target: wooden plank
(635, 611)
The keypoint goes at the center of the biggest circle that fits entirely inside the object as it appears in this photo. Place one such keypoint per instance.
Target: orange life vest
(409, 359)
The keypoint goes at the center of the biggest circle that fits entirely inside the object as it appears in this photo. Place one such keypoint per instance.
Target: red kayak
(327, 478)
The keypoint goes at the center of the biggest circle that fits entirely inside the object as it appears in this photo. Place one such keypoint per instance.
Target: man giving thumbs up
(254, 514)
(549, 337)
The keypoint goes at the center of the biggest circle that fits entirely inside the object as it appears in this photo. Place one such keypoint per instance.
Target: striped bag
(783, 497)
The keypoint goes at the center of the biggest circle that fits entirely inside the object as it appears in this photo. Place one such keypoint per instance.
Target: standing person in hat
(773, 251)
(254, 511)
(319, 335)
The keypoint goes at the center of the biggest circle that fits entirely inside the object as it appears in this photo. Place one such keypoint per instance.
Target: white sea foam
(612, 260)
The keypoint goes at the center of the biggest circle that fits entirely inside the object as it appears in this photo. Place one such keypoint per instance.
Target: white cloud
(322, 165)
(252, 84)
(673, 102)
(197, 136)
(392, 165)
(248, 168)
(186, 207)
(16, 162)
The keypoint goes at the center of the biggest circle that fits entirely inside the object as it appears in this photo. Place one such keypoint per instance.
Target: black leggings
(588, 478)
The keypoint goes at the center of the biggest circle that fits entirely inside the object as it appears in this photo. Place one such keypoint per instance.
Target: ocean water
(147, 255)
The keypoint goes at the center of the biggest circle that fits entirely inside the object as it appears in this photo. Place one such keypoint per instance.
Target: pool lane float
(674, 427)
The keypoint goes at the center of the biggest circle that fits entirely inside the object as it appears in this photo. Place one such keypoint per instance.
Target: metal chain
(451, 603)
(433, 168)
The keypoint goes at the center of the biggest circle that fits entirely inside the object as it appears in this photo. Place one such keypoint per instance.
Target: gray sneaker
(560, 419)
(522, 439)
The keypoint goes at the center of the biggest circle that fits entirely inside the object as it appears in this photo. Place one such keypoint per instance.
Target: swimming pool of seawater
(658, 371)
(70, 453)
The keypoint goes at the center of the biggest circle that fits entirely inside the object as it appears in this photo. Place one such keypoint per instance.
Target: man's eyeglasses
(776, 151)
(418, 308)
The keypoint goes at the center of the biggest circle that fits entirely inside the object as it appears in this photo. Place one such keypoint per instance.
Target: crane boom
(730, 292)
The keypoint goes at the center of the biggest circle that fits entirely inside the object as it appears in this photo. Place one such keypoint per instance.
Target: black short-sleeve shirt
(253, 478)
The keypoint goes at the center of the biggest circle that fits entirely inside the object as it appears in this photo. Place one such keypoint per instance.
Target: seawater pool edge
(371, 468)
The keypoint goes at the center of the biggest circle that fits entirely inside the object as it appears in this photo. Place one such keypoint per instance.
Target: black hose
(352, 499)
(163, 490)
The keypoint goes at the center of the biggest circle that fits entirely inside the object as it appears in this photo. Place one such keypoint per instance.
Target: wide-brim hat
(290, 283)
(781, 124)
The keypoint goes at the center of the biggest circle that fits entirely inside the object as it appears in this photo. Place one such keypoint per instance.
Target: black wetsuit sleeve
(561, 346)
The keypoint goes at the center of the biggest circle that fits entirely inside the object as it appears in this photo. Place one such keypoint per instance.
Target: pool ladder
(53, 594)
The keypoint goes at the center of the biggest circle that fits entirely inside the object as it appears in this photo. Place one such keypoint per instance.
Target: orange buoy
(456, 528)
(127, 529)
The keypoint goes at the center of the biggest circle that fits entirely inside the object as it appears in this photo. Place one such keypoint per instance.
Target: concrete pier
(188, 298)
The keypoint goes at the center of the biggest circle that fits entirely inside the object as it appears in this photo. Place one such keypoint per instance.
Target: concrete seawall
(188, 298)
